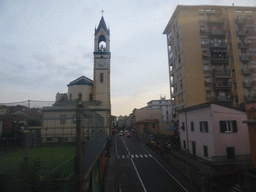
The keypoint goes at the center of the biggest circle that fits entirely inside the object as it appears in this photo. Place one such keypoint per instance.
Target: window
(192, 126)
(228, 126)
(204, 126)
(80, 96)
(184, 144)
(205, 151)
(63, 119)
(203, 41)
(101, 77)
(49, 139)
(74, 119)
(183, 126)
(205, 54)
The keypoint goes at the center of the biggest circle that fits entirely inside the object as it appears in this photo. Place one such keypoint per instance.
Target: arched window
(80, 96)
(102, 43)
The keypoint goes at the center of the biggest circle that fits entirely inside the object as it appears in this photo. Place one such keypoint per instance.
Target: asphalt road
(139, 169)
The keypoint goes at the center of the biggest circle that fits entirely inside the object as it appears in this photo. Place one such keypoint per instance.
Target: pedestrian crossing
(235, 188)
(134, 156)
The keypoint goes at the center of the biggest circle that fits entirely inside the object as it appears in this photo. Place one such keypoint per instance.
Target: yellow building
(59, 120)
(211, 55)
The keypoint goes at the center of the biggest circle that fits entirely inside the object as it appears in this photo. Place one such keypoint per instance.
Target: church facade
(59, 120)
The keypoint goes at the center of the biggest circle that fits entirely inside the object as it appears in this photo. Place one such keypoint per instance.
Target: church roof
(81, 81)
(102, 25)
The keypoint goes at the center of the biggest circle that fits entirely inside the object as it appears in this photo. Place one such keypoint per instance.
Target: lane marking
(167, 171)
(116, 146)
(135, 168)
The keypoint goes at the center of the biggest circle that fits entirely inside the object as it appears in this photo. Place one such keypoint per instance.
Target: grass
(56, 162)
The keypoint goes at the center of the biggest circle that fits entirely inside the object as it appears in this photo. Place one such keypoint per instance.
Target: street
(138, 168)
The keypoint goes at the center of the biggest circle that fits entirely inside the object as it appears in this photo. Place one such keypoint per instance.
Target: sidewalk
(109, 177)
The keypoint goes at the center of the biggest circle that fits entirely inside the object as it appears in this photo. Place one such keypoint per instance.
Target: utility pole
(79, 147)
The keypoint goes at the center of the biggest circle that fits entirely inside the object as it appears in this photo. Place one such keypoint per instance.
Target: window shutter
(206, 126)
(201, 127)
(222, 126)
(234, 126)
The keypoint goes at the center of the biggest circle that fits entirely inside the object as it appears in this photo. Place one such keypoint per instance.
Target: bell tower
(102, 55)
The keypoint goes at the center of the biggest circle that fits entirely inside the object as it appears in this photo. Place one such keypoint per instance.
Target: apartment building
(164, 104)
(211, 55)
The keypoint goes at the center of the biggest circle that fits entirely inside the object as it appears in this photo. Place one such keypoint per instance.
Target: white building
(163, 104)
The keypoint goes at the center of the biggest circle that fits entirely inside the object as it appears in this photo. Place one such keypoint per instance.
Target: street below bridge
(138, 168)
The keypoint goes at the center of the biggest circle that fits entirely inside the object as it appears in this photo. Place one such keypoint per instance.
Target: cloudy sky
(44, 45)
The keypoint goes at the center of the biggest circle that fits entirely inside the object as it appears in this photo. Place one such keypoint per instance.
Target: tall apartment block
(212, 55)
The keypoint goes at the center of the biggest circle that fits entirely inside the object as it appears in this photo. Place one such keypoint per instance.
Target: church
(59, 120)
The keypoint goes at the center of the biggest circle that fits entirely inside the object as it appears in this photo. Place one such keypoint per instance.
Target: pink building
(214, 132)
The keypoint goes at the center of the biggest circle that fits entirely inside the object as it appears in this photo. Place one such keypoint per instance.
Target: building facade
(214, 132)
(211, 55)
(163, 104)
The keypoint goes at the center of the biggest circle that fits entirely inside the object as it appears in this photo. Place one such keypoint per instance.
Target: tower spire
(102, 11)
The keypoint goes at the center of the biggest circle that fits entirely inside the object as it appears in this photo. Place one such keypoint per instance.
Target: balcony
(218, 45)
(248, 84)
(221, 73)
(248, 98)
(244, 58)
(222, 85)
(218, 21)
(242, 33)
(217, 34)
(224, 98)
(244, 45)
(246, 71)
(240, 21)
(218, 60)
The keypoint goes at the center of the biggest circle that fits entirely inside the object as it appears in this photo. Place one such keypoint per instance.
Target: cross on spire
(102, 11)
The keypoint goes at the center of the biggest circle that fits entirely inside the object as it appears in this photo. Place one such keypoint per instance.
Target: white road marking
(137, 156)
(127, 156)
(123, 156)
(132, 156)
(141, 156)
(145, 190)
(166, 171)
(145, 155)
(150, 155)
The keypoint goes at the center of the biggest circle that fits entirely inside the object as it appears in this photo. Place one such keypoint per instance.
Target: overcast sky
(44, 45)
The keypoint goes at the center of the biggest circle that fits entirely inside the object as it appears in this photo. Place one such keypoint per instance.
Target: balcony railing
(218, 45)
(244, 58)
(217, 33)
(240, 21)
(215, 21)
(221, 73)
(222, 85)
(217, 60)
(248, 84)
(242, 33)
(224, 98)
(247, 71)
(243, 45)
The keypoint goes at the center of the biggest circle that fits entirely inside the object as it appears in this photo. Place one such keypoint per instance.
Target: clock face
(101, 63)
